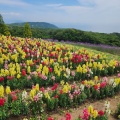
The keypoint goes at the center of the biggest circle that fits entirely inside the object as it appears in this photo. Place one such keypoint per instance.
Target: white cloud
(11, 13)
(53, 5)
(13, 2)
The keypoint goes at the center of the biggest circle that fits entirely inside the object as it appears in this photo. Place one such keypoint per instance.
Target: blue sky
(89, 15)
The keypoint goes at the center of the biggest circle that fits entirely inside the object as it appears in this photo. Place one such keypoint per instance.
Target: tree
(6, 30)
(3, 27)
(27, 30)
(1, 19)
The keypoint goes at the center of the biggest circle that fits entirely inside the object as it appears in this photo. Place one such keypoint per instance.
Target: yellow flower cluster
(34, 90)
(92, 112)
(66, 88)
(117, 81)
(3, 90)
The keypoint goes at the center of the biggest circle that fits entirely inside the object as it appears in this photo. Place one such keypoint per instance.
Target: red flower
(1, 79)
(96, 87)
(101, 113)
(50, 69)
(23, 72)
(55, 86)
(61, 92)
(56, 96)
(68, 116)
(10, 77)
(2, 101)
(14, 97)
(50, 118)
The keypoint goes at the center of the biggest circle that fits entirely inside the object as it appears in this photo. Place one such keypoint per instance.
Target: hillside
(35, 25)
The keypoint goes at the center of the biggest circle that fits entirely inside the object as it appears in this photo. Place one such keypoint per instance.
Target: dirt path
(99, 105)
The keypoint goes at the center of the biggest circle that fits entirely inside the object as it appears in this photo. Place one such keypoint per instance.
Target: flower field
(39, 77)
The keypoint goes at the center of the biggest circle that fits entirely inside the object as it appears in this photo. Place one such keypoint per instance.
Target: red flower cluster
(23, 72)
(50, 69)
(2, 101)
(101, 113)
(1, 79)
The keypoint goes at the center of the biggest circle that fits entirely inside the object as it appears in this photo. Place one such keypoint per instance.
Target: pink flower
(105, 79)
(85, 114)
(44, 77)
(36, 98)
(28, 77)
(118, 74)
(53, 78)
(102, 84)
(6, 66)
(42, 89)
(73, 73)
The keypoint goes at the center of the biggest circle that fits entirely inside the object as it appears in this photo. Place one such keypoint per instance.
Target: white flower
(40, 94)
(24, 96)
(107, 104)
(82, 87)
(108, 111)
(111, 81)
(68, 71)
(114, 85)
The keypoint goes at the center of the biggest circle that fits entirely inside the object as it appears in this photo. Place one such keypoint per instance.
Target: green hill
(35, 25)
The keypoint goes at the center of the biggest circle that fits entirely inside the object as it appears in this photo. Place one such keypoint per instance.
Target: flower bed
(39, 99)
(24, 62)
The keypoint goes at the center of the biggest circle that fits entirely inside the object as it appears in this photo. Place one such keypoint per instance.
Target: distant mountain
(35, 25)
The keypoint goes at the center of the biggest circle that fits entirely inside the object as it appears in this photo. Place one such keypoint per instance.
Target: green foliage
(6, 30)
(1, 19)
(3, 27)
(27, 31)
(117, 112)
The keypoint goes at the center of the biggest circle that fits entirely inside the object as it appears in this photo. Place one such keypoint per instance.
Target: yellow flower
(62, 82)
(65, 89)
(1, 91)
(8, 91)
(47, 95)
(28, 69)
(18, 76)
(90, 109)
(32, 93)
(95, 113)
(96, 78)
(37, 87)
